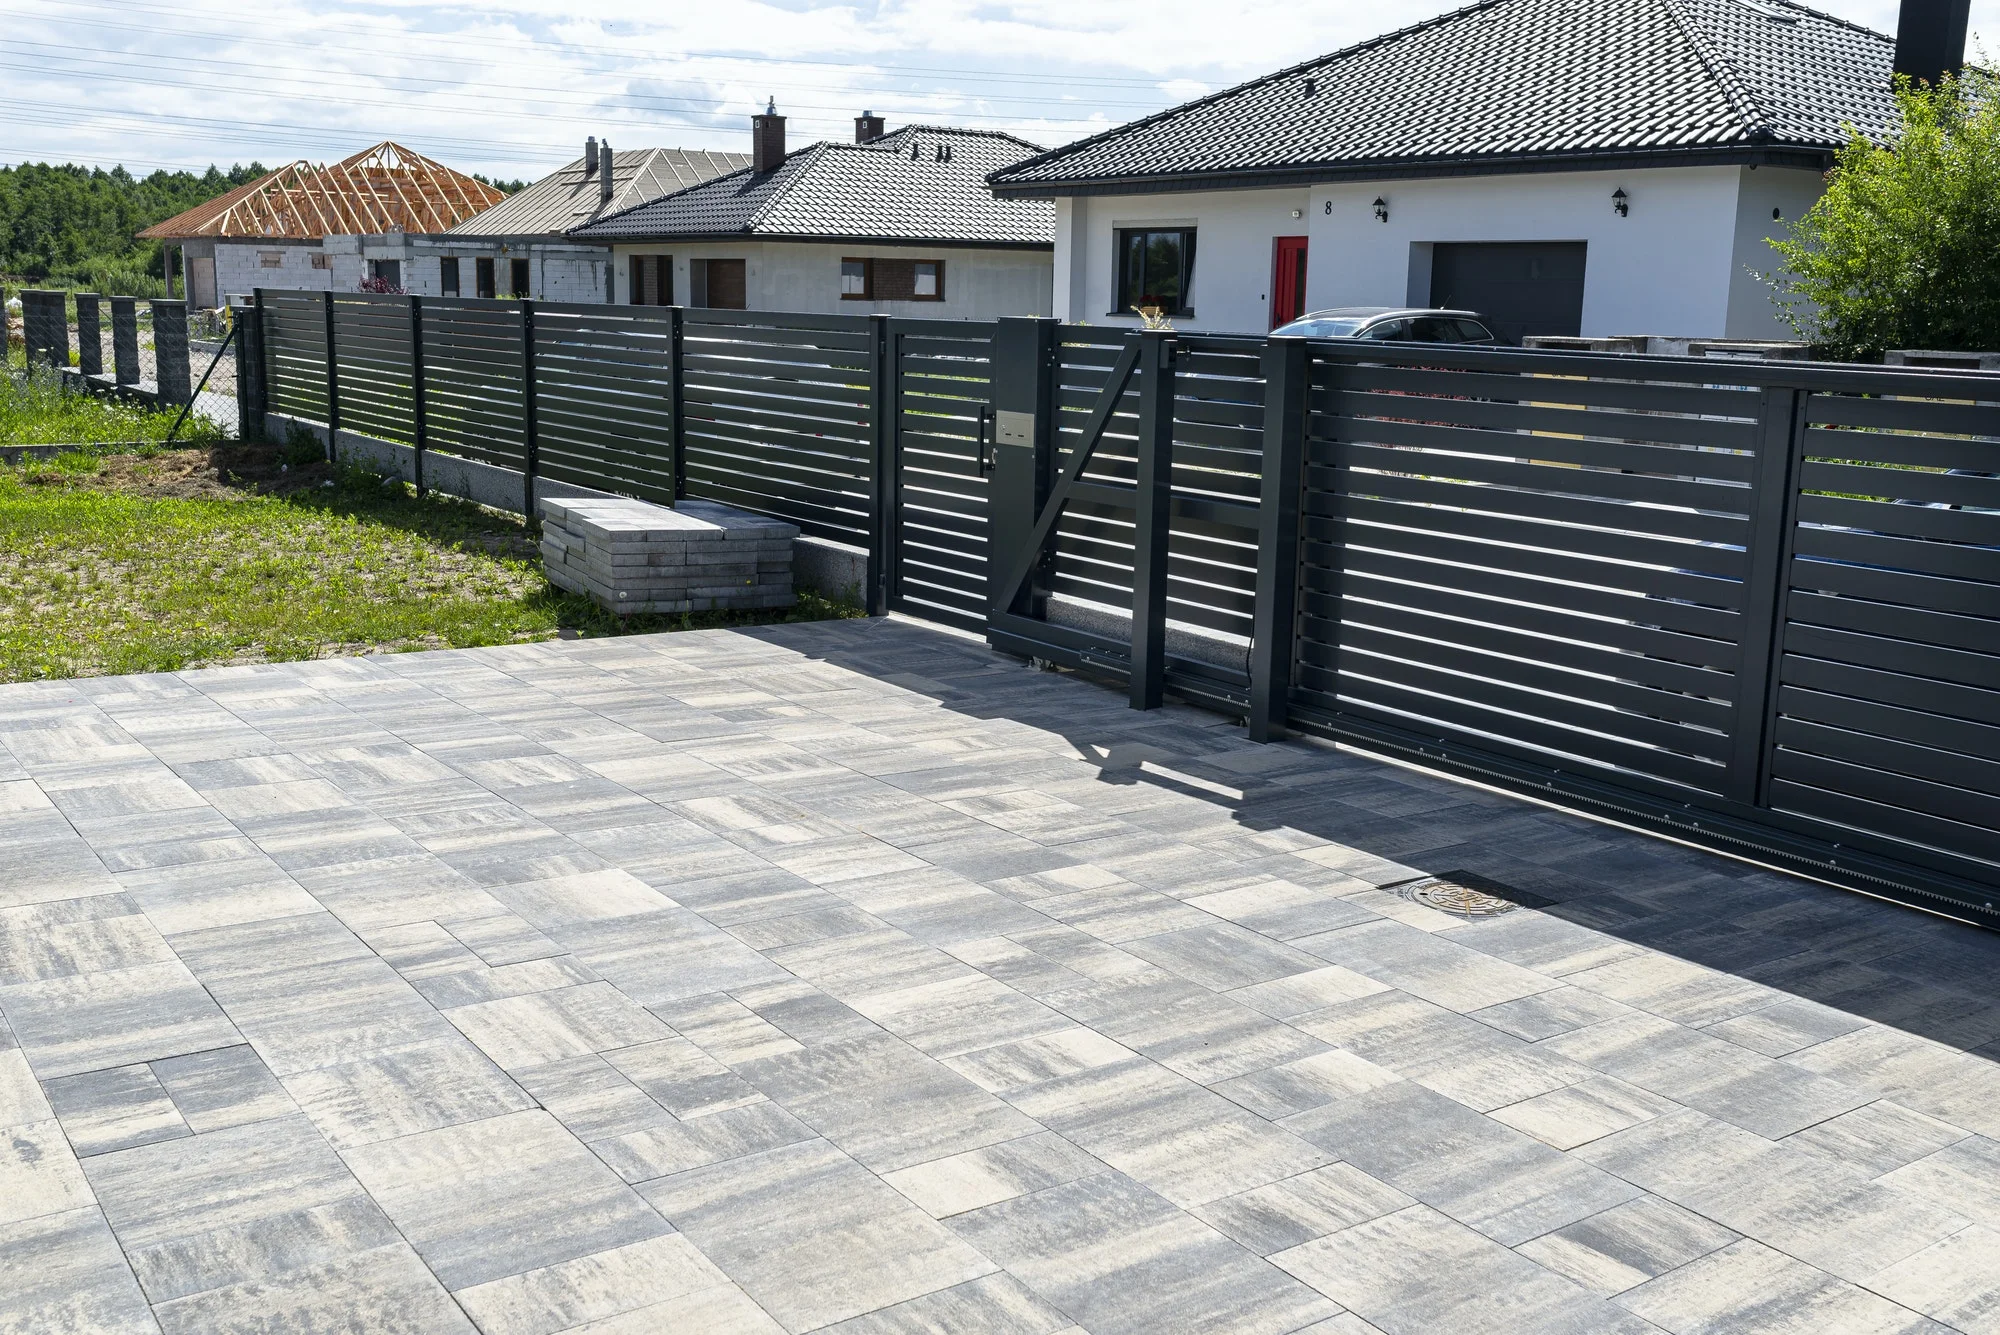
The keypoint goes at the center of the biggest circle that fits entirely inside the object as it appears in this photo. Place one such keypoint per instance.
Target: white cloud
(513, 86)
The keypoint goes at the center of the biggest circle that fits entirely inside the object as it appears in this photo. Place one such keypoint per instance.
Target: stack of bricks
(632, 557)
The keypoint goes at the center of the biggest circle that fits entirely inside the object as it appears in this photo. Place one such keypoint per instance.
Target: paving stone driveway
(848, 976)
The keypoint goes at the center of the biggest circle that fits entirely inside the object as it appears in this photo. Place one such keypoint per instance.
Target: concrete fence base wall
(830, 568)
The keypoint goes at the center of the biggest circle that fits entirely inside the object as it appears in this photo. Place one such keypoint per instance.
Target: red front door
(1288, 281)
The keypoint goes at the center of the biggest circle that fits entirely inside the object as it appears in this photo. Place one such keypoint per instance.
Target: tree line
(71, 226)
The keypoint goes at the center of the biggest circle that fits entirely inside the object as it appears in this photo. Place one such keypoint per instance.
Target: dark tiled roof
(1511, 83)
(568, 198)
(893, 189)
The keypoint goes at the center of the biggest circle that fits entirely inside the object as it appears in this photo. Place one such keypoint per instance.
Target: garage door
(1521, 287)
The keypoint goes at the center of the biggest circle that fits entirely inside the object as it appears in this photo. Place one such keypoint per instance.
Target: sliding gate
(1756, 605)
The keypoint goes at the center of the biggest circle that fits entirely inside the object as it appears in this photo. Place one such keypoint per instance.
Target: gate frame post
(677, 408)
(882, 479)
(529, 444)
(332, 382)
(1024, 454)
(1281, 494)
(1153, 511)
(419, 423)
(1781, 439)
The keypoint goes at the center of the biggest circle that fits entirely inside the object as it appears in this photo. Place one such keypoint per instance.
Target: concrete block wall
(239, 269)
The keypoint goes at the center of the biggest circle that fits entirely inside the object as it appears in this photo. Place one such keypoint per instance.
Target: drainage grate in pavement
(1469, 895)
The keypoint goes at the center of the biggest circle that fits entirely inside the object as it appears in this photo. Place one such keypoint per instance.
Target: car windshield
(1324, 326)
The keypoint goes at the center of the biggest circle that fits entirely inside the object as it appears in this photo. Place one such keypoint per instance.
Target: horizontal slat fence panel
(1888, 723)
(1551, 568)
(1218, 470)
(604, 398)
(371, 341)
(1218, 444)
(473, 379)
(1094, 541)
(777, 417)
(295, 354)
(943, 400)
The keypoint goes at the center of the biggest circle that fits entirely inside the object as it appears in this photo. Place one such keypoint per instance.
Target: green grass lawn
(240, 554)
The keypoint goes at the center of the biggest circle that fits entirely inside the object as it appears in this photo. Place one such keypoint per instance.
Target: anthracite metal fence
(1755, 605)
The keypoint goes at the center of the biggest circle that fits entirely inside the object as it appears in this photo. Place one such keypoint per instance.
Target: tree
(1903, 249)
(72, 226)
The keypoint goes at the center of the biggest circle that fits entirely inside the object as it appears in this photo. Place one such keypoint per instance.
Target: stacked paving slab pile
(632, 557)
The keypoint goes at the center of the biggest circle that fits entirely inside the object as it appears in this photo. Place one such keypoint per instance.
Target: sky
(511, 88)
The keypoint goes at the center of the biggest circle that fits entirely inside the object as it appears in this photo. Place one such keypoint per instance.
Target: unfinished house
(273, 232)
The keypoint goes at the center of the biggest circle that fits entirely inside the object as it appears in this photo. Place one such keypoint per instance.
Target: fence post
(1024, 452)
(1781, 421)
(332, 382)
(419, 426)
(89, 336)
(253, 381)
(528, 440)
(45, 326)
(882, 477)
(172, 382)
(125, 340)
(676, 319)
(1274, 618)
(1153, 510)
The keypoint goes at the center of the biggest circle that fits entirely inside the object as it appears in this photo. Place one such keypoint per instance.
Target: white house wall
(1752, 313)
(1234, 252)
(805, 277)
(1675, 265)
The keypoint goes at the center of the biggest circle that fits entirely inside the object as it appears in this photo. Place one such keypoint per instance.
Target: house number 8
(1328, 206)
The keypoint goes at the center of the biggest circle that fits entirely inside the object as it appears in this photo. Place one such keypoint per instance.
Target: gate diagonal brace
(1093, 432)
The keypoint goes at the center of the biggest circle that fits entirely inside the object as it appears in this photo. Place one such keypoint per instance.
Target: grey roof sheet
(565, 198)
(1516, 81)
(893, 189)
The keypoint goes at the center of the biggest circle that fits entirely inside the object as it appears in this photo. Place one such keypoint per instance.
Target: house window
(652, 280)
(718, 284)
(891, 280)
(322, 261)
(520, 277)
(482, 276)
(386, 271)
(448, 276)
(273, 259)
(1155, 268)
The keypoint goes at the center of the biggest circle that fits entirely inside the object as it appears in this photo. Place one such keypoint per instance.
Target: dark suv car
(1390, 324)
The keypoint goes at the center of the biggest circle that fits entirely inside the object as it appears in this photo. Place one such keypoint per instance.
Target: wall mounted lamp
(1621, 203)
(1381, 209)
(1298, 213)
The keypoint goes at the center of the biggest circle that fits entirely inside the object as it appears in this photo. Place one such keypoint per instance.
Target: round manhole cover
(1467, 895)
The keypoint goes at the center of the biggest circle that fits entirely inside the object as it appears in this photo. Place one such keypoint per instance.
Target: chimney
(767, 139)
(590, 156)
(1930, 38)
(867, 126)
(605, 183)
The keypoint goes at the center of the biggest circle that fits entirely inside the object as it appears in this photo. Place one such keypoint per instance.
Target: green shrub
(1903, 249)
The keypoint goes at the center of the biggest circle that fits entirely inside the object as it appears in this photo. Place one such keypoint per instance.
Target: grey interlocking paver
(767, 1220)
(849, 977)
